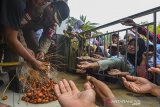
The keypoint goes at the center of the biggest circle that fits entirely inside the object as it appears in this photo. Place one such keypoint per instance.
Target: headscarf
(142, 49)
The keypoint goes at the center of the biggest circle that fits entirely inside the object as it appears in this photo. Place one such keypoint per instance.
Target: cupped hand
(69, 95)
(84, 65)
(137, 84)
(38, 65)
(101, 88)
(116, 72)
(155, 70)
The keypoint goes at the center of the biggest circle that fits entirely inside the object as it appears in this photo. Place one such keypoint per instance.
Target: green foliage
(151, 27)
(87, 24)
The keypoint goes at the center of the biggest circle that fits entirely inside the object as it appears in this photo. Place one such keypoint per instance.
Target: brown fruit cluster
(40, 92)
(4, 98)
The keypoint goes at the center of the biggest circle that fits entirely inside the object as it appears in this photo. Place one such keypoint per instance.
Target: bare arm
(14, 43)
(155, 91)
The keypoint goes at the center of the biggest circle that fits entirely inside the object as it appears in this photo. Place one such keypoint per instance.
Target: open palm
(69, 95)
(137, 84)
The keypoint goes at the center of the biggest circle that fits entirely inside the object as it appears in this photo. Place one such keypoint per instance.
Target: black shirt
(11, 13)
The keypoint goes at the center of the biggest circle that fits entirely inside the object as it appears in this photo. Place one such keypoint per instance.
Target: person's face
(114, 39)
(132, 47)
(113, 50)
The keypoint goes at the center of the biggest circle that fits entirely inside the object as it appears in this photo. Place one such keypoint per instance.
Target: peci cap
(62, 11)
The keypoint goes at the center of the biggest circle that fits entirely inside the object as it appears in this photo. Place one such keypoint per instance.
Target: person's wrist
(95, 65)
(34, 61)
(155, 90)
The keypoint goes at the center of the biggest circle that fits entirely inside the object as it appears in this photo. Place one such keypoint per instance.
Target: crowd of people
(21, 19)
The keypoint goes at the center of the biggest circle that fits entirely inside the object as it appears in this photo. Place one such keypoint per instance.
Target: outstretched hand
(104, 92)
(153, 69)
(85, 65)
(138, 84)
(101, 88)
(116, 72)
(69, 95)
(128, 22)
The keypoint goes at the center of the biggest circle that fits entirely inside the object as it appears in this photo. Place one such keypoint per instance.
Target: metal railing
(138, 15)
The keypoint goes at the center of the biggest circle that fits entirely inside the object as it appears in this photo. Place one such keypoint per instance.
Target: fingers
(153, 69)
(73, 86)
(81, 71)
(126, 83)
(66, 85)
(57, 90)
(130, 85)
(62, 87)
(87, 86)
(91, 79)
(131, 78)
(83, 62)
(101, 88)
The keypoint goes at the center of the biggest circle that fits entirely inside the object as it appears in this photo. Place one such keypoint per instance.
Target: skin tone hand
(116, 72)
(69, 95)
(98, 57)
(84, 58)
(103, 91)
(155, 70)
(40, 55)
(87, 58)
(14, 43)
(85, 65)
(138, 84)
(128, 22)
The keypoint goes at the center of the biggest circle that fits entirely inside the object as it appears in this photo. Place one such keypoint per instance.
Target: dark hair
(142, 49)
(115, 35)
(129, 34)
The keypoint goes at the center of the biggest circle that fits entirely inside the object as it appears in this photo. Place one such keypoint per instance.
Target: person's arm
(44, 44)
(104, 92)
(14, 43)
(155, 91)
(142, 30)
(112, 63)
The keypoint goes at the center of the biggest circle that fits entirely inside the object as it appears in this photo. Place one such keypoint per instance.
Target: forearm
(14, 43)
(21, 38)
(143, 62)
(44, 44)
(20, 50)
(110, 62)
(155, 91)
(145, 32)
(94, 65)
